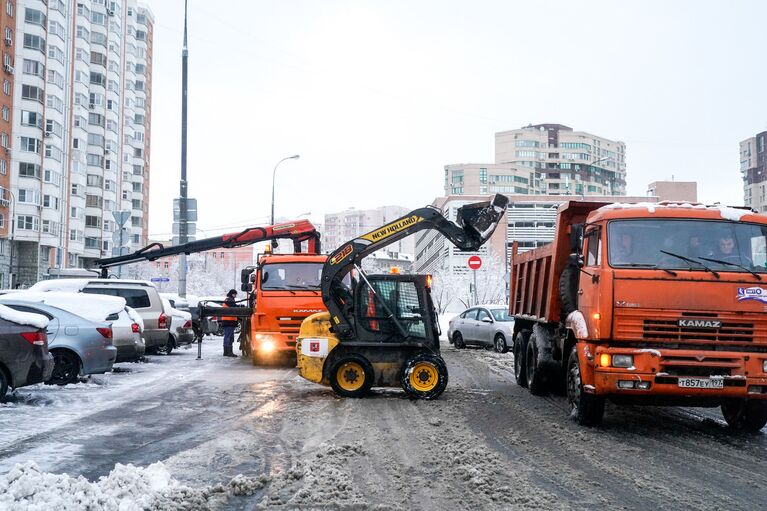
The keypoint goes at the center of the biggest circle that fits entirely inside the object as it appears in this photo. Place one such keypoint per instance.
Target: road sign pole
(476, 301)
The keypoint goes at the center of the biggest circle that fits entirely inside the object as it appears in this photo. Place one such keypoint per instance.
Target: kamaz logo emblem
(700, 323)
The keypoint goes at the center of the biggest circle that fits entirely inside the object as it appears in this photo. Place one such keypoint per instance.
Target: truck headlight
(267, 346)
(623, 361)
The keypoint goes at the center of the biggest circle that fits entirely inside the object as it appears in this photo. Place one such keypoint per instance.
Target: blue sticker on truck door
(752, 293)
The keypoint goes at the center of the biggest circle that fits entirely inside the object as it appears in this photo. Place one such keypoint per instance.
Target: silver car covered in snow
(483, 325)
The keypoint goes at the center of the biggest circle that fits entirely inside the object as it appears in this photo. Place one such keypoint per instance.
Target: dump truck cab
(286, 290)
(659, 304)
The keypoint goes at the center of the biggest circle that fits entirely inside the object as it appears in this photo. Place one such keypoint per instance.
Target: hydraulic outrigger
(384, 330)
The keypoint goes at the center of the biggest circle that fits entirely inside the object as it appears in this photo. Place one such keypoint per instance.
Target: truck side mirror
(245, 274)
(248, 288)
(580, 262)
(264, 276)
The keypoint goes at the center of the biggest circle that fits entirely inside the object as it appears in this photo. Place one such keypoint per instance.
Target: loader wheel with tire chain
(586, 409)
(351, 376)
(424, 376)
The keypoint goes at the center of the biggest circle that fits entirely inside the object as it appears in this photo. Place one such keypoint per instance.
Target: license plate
(701, 383)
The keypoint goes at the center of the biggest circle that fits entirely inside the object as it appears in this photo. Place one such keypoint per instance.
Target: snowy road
(485, 444)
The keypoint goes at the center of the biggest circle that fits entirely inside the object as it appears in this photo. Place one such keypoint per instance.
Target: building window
(34, 42)
(27, 223)
(31, 145)
(483, 176)
(7, 88)
(35, 17)
(9, 8)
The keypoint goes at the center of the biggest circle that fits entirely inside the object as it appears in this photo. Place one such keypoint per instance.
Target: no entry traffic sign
(475, 262)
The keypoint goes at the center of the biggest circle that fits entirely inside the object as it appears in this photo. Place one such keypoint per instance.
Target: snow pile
(23, 318)
(67, 285)
(577, 323)
(726, 212)
(324, 479)
(92, 307)
(733, 214)
(126, 488)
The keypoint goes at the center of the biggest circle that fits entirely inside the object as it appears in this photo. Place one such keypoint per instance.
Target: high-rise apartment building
(8, 28)
(346, 225)
(81, 131)
(544, 159)
(753, 168)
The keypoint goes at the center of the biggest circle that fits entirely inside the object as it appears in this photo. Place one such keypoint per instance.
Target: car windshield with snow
(683, 245)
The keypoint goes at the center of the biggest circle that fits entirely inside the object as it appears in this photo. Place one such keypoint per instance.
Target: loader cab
(392, 305)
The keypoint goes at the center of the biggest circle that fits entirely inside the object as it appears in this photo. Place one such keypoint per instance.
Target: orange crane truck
(658, 304)
(282, 289)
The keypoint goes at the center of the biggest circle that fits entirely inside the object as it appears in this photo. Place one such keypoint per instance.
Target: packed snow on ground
(126, 488)
(23, 318)
(89, 306)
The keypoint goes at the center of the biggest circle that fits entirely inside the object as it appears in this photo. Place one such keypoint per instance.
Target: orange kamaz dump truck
(658, 304)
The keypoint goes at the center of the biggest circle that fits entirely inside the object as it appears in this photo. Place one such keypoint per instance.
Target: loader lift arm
(298, 231)
(476, 223)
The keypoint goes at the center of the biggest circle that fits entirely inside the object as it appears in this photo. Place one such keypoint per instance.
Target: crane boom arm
(475, 224)
(298, 231)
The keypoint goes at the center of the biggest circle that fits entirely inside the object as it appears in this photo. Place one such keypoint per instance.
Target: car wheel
(166, 348)
(586, 409)
(66, 367)
(520, 350)
(500, 344)
(3, 385)
(425, 376)
(744, 415)
(351, 376)
(458, 341)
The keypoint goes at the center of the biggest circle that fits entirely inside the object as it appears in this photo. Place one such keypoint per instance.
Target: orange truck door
(588, 288)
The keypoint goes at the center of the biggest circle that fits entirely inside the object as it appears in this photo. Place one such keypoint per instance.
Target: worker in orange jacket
(229, 323)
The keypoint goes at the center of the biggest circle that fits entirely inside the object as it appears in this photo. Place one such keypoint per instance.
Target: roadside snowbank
(126, 488)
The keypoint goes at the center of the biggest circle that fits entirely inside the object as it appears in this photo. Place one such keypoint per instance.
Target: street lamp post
(274, 172)
(13, 228)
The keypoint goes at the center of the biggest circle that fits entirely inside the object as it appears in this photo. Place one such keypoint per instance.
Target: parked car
(127, 337)
(140, 295)
(127, 325)
(78, 345)
(178, 302)
(24, 356)
(483, 325)
(180, 327)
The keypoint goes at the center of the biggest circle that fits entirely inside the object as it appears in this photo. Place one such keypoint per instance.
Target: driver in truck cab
(623, 251)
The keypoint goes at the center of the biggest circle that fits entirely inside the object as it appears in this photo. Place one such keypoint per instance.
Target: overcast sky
(377, 96)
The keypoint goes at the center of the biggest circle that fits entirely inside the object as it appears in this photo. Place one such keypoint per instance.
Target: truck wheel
(500, 344)
(520, 351)
(3, 385)
(586, 409)
(351, 376)
(424, 376)
(745, 415)
(536, 377)
(458, 341)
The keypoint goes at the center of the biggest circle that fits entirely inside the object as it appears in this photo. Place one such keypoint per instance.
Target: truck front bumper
(267, 344)
(678, 373)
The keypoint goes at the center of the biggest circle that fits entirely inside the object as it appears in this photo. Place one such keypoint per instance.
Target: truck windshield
(291, 276)
(688, 244)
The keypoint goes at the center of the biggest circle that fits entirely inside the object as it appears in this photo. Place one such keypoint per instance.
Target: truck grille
(696, 365)
(289, 326)
(661, 327)
(670, 330)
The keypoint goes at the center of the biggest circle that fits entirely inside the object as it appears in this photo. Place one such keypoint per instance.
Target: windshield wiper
(304, 288)
(728, 263)
(649, 266)
(688, 261)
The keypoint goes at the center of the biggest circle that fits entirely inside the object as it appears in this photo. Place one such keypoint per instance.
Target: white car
(181, 331)
(483, 325)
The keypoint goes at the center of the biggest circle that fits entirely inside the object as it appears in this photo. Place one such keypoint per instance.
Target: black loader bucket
(480, 219)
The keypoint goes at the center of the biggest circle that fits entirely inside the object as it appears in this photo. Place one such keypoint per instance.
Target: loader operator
(229, 323)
